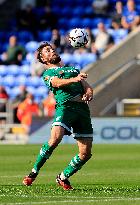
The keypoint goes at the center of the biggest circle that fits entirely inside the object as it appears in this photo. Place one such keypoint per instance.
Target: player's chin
(55, 60)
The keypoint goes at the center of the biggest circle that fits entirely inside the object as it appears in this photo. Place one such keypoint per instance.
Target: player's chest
(69, 73)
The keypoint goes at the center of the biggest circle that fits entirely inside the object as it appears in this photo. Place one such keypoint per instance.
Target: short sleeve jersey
(65, 93)
(130, 16)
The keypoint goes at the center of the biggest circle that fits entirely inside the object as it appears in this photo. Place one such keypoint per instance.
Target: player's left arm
(88, 92)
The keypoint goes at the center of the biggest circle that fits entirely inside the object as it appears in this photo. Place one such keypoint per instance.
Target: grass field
(112, 176)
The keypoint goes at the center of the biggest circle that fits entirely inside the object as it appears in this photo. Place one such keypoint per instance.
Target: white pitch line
(75, 201)
(68, 197)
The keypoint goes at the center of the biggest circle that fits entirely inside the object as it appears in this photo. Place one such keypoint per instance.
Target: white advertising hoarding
(106, 130)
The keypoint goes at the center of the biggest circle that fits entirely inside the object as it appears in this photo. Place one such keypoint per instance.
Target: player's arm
(59, 82)
(88, 92)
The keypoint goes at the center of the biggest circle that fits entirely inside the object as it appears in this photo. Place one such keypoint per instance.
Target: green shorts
(75, 118)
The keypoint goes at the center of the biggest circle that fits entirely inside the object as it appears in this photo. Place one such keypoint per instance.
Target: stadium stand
(70, 14)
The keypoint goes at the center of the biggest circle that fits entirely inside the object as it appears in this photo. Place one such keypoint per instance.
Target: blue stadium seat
(38, 99)
(25, 36)
(84, 59)
(87, 23)
(44, 35)
(95, 31)
(56, 9)
(21, 80)
(41, 92)
(75, 23)
(107, 22)
(67, 58)
(4, 47)
(1, 80)
(13, 70)
(138, 8)
(9, 81)
(3, 70)
(78, 11)
(39, 11)
(10, 33)
(31, 89)
(66, 12)
(14, 92)
(110, 31)
(119, 35)
(42, 82)
(2, 36)
(83, 3)
(31, 46)
(63, 23)
(88, 58)
(62, 32)
(25, 70)
(71, 3)
(33, 81)
(77, 59)
(95, 22)
(29, 58)
(88, 10)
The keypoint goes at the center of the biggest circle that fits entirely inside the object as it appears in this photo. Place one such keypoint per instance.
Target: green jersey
(65, 93)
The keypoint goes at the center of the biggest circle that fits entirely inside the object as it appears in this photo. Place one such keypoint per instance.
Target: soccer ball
(78, 37)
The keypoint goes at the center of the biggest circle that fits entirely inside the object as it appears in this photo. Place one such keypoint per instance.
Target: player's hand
(87, 97)
(80, 77)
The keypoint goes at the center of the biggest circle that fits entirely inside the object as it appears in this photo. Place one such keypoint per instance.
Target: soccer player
(72, 94)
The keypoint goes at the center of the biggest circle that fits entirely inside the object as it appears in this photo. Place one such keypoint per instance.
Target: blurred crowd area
(107, 22)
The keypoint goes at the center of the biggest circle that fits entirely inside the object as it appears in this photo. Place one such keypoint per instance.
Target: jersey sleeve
(47, 79)
(48, 76)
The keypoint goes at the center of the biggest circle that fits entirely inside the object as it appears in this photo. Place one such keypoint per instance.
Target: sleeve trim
(49, 81)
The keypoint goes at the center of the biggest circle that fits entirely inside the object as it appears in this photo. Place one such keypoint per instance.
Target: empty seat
(66, 12)
(88, 11)
(31, 89)
(44, 35)
(33, 81)
(3, 70)
(63, 23)
(14, 92)
(119, 35)
(21, 80)
(13, 70)
(88, 58)
(42, 91)
(78, 11)
(87, 22)
(25, 70)
(67, 58)
(25, 36)
(84, 59)
(75, 23)
(31, 46)
(9, 81)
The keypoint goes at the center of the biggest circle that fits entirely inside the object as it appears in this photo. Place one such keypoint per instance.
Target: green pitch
(112, 176)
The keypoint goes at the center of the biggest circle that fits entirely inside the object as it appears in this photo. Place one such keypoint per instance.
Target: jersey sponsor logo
(61, 72)
(69, 71)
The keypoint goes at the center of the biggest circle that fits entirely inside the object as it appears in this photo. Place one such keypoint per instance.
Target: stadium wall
(114, 58)
(125, 83)
(106, 131)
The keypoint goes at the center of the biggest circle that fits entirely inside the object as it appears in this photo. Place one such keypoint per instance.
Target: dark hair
(39, 51)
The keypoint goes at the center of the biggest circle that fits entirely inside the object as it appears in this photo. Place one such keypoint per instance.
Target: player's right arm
(59, 82)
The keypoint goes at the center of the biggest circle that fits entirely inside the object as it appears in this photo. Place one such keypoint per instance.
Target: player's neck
(55, 65)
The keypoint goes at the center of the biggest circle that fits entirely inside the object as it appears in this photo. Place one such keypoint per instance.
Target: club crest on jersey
(61, 72)
(46, 78)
